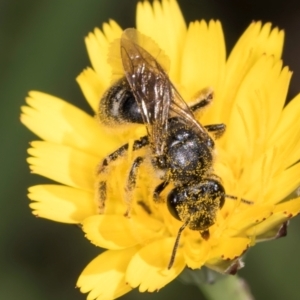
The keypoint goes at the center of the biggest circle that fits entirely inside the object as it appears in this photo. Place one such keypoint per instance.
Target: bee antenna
(175, 247)
(242, 200)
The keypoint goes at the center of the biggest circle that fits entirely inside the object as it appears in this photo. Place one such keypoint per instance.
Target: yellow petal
(247, 126)
(286, 137)
(56, 121)
(98, 44)
(250, 216)
(63, 164)
(256, 181)
(290, 208)
(104, 277)
(92, 87)
(196, 252)
(256, 41)
(61, 203)
(165, 19)
(148, 267)
(203, 61)
(118, 232)
(283, 184)
(274, 95)
(283, 212)
(224, 250)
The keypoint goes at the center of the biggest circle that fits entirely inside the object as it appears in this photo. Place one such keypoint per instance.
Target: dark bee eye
(176, 197)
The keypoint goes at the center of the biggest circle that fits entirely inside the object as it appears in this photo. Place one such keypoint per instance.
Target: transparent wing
(156, 96)
(150, 86)
(179, 108)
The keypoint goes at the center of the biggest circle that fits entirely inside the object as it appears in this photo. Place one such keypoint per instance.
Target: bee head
(197, 203)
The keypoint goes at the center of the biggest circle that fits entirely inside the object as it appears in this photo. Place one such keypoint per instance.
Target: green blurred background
(42, 48)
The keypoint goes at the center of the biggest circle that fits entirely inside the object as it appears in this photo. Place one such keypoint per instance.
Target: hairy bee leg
(216, 129)
(204, 99)
(159, 189)
(101, 192)
(137, 144)
(131, 183)
(101, 189)
(111, 157)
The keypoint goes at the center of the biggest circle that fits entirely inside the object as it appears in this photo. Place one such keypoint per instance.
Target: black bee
(181, 148)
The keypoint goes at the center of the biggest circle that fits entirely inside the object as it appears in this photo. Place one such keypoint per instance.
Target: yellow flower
(257, 158)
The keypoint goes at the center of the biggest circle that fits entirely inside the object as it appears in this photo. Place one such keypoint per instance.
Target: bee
(181, 148)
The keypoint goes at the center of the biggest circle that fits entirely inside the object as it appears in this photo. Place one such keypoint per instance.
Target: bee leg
(131, 183)
(101, 196)
(202, 100)
(159, 189)
(217, 130)
(137, 144)
(102, 169)
(101, 189)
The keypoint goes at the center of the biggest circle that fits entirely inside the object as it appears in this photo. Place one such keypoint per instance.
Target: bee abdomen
(118, 105)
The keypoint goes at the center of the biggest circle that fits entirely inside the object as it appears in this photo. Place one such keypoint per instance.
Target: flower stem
(216, 286)
(228, 288)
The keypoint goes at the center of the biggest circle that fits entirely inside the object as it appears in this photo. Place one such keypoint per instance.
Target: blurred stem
(228, 288)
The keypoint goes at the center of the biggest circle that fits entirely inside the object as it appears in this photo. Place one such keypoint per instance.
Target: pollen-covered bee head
(197, 204)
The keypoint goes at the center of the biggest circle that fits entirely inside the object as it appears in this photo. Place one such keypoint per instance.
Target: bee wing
(179, 107)
(150, 85)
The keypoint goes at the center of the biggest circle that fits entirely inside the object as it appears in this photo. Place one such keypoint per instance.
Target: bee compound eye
(174, 199)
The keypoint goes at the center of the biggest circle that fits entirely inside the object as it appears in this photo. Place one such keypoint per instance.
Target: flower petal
(228, 249)
(118, 232)
(282, 213)
(290, 208)
(56, 121)
(283, 184)
(250, 216)
(203, 61)
(61, 203)
(247, 128)
(92, 87)
(104, 277)
(256, 41)
(286, 137)
(196, 252)
(148, 267)
(275, 231)
(224, 250)
(63, 164)
(165, 19)
(98, 44)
